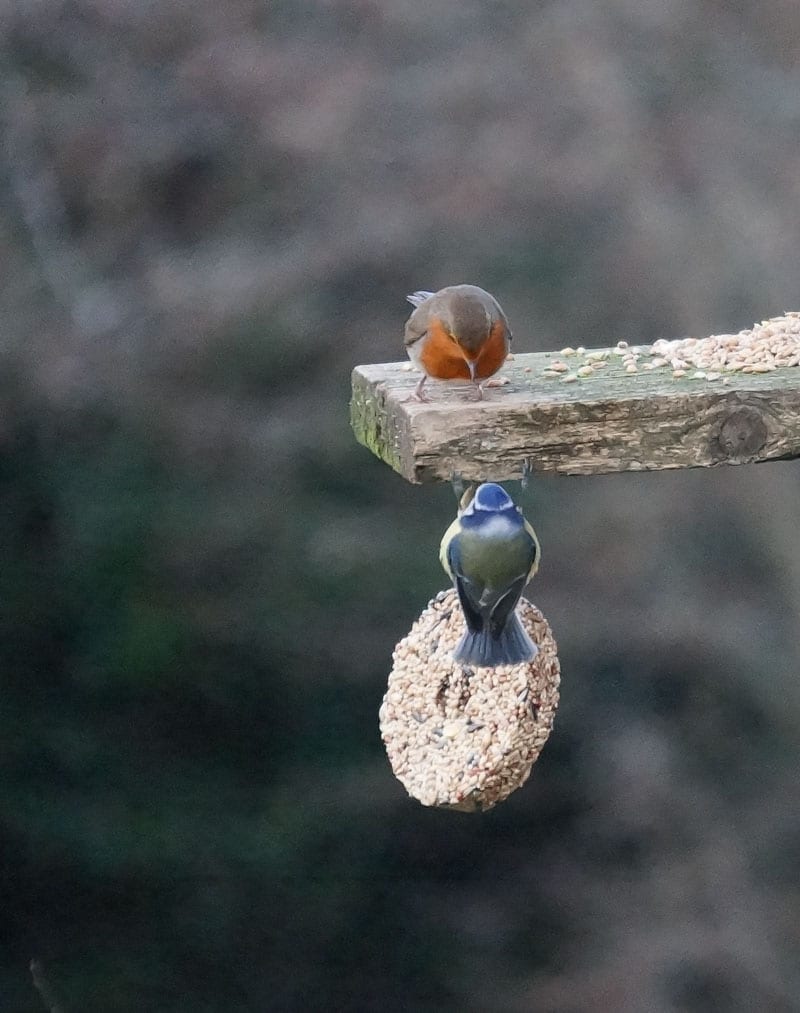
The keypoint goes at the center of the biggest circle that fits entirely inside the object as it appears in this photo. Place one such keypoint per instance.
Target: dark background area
(212, 211)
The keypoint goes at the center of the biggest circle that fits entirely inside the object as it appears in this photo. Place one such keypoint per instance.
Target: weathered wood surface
(611, 421)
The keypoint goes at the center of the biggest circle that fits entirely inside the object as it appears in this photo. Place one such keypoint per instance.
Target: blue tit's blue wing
(472, 613)
(464, 588)
(505, 606)
(507, 602)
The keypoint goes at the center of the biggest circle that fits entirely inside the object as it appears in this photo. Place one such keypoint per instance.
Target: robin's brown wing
(416, 326)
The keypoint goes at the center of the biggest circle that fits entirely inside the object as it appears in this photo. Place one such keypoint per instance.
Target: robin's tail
(511, 646)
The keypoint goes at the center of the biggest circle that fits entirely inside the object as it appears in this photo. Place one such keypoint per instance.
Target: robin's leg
(479, 391)
(418, 394)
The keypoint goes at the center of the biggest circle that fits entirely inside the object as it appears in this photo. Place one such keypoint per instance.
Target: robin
(490, 552)
(457, 333)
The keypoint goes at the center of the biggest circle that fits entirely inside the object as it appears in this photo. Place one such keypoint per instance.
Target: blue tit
(490, 552)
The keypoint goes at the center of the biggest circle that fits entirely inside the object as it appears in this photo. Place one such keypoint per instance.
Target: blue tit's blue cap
(491, 497)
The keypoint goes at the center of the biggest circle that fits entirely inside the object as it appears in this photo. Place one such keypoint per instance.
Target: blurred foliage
(214, 212)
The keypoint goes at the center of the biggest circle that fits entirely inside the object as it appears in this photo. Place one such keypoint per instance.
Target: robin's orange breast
(492, 353)
(440, 356)
(444, 358)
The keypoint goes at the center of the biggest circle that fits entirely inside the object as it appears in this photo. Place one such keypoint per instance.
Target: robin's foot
(418, 394)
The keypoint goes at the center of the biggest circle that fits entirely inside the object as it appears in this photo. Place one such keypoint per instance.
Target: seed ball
(465, 738)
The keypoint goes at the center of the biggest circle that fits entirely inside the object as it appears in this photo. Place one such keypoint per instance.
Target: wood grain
(610, 421)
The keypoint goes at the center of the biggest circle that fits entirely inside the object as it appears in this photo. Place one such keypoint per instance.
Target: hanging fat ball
(490, 552)
(459, 737)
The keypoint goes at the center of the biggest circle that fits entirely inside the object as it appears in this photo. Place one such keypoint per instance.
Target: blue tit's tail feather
(512, 646)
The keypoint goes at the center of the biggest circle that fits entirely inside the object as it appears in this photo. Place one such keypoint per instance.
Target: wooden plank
(610, 421)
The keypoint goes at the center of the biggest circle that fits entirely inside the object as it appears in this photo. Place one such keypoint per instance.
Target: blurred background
(211, 213)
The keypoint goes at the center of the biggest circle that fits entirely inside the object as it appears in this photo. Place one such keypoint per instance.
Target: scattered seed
(631, 369)
(558, 366)
(766, 346)
(569, 378)
(678, 373)
(586, 371)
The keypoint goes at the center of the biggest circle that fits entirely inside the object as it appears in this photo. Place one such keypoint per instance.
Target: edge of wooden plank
(612, 422)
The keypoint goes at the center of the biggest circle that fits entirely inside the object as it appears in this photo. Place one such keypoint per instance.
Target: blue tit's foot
(457, 483)
(463, 492)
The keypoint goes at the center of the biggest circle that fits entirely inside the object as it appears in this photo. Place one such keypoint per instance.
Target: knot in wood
(741, 437)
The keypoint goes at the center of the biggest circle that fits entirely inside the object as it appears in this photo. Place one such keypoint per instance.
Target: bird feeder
(466, 738)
